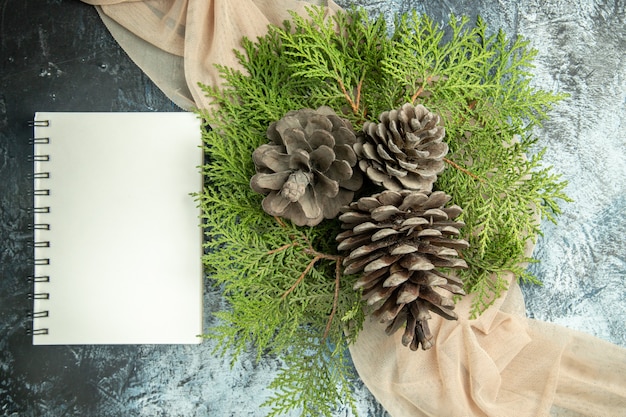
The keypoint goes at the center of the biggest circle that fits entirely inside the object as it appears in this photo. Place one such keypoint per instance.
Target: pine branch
(282, 282)
(311, 380)
(464, 170)
(338, 273)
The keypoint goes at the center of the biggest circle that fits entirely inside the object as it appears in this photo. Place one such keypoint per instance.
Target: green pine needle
(283, 283)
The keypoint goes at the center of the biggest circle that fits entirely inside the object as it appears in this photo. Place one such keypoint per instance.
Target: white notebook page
(125, 242)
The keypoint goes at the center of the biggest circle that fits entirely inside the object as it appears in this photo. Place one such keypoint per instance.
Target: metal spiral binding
(39, 296)
(32, 315)
(36, 332)
(38, 141)
(39, 210)
(38, 278)
(38, 314)
(42, 209)
(39, 123)
(39, 158)
(39, 176)
(41, 192)
(42, 244)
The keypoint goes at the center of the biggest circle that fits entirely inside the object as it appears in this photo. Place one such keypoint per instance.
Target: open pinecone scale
(399, 241)
(306, 170)
(404, 150)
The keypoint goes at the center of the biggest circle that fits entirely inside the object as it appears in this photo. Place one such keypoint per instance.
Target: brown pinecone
(405, 150)
(306, 171)
(397, 240)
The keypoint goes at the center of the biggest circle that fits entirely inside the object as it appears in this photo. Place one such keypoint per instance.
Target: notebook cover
(125, 243)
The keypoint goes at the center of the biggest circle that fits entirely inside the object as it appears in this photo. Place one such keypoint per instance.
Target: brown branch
(335, 297)
(460, 168)
(354, 105)
(316, 257)
(417, 93)
(321, 255)
(282, 248)
(420, 90)
(301, 277)
(345, 94)
(279, 221)
(358, 94)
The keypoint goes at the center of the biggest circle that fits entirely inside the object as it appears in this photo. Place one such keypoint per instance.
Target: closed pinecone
(404, 150)
(306, 171)
(397, 240)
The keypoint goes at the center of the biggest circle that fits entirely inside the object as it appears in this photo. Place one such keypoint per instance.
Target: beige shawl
(501, 364)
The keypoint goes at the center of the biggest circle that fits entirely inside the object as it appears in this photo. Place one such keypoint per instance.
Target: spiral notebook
(117, 240)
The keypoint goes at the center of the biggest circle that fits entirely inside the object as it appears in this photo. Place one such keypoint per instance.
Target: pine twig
(321, 255)
(316, 257)
(358, 93)
(420, 90)
(335, 297)
(417, 94)
(464, 170)
(353, 104)
(282, 248)
(301, 277)
(279, 221)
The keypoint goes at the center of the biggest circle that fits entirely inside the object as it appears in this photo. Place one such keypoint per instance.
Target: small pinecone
(306, 171)
(405, 150)
(397, 240)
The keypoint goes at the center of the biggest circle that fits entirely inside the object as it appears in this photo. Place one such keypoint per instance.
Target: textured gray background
(56, 55)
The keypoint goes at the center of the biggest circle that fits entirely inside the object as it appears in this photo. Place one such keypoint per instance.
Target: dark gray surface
(57, 56)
